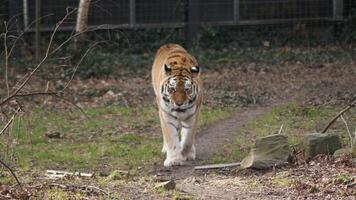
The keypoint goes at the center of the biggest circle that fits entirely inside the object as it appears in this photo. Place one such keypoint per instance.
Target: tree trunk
(82, 19)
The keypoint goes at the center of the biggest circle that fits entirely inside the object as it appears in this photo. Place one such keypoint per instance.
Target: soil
(231, 183)
(255, 90)
(323, 85)
(210, 141)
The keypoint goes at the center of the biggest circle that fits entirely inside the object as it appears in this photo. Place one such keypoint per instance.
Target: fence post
(338, 7)
(25, 14)
(132, 13)
(38, 31)
(236, 11)
(193, 19)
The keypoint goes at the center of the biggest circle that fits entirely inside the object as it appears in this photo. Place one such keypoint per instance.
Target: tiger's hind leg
(171, 141)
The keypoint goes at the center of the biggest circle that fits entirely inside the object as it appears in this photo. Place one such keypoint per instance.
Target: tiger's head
(180, 87)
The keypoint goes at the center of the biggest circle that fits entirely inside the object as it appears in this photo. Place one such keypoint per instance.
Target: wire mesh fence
(110, 14)
(161, 12)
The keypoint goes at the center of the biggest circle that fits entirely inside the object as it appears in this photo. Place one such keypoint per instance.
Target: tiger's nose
(179, 103)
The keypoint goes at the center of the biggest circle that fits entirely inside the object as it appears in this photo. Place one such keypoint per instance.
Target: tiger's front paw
(188, 152)
(174, 160)
(190, 155)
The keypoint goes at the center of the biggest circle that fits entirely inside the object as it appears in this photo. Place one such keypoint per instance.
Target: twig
(280, 129)
(348, 132)
(9, 122)
(78, 64)
(6, 60)
(40, 63)
(23, 32)
(338, 115)
(9, 52)
(35, 94)
(12, 172)
(21, 107)
(216, 166)
(63, 186)
(7, 125)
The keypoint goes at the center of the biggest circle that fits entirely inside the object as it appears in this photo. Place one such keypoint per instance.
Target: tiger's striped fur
(178, 87)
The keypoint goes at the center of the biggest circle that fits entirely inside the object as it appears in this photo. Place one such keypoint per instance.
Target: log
(217, 166)
(60, 174)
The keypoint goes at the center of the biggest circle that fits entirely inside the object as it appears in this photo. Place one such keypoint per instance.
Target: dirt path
(230, 184)
(212, 139)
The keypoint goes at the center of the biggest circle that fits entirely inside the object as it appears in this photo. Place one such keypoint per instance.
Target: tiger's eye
(167, 69)
(187, 90)
(170, 89)
(195, 69)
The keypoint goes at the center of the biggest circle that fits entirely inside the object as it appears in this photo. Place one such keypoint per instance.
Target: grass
(113, 137)
(296, 120)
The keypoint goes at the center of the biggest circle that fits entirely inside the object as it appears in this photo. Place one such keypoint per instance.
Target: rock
(319, 143)
(167, 185)
(269, 151)
(342, 152)
(111, 93)
(266, 43)
(53, 135)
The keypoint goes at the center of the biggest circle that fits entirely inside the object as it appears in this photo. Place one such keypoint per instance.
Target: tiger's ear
(167, 69)
(195, 69)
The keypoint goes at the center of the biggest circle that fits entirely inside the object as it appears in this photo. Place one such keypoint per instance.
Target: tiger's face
(179, 90)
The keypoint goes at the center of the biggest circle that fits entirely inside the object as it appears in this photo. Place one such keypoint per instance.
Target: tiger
(177, 84)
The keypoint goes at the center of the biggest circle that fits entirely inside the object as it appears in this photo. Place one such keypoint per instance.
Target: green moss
(281, 181)
(342, 178)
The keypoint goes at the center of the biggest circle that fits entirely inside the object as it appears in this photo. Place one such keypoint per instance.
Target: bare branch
(78, 64)
(7, 125)
(35, 94)
(11, 171)
(40, 64)
(280, 129)
(23, 32)
(56, 29)
(338, 115)
(6, 60)
(217, 166)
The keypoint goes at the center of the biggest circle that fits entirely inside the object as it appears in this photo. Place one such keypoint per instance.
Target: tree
(82, 20)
